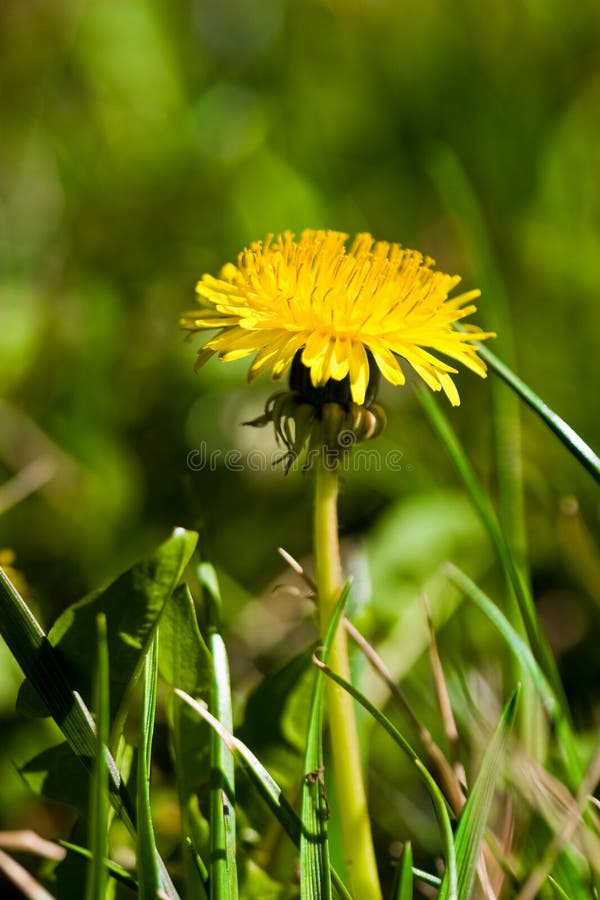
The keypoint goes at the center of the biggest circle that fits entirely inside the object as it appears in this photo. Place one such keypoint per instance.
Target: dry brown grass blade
(448, 719)
(572, 820)
(22, 879)
(297, 568)
(28, 841)
(443, 771)
(452, 736)
(26, 481)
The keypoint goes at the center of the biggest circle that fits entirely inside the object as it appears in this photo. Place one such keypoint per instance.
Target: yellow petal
(359, 372)
(316, 344)
(449, 388)
(340, 362)
(387, 364)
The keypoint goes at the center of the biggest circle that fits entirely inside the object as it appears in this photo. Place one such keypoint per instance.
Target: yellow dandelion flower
(340, 309)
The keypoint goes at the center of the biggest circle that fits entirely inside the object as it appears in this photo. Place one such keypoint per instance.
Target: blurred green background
(144, 143)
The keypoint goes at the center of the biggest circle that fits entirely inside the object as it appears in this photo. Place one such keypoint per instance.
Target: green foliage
(405, 882)
(315, 878)
(475, 814)
(97, 877)
(144, 144)
(132, 606)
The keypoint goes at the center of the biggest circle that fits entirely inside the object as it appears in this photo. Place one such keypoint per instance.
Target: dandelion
(342, 312)
(336, 319)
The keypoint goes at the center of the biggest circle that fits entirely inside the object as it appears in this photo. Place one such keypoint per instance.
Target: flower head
(342, 310)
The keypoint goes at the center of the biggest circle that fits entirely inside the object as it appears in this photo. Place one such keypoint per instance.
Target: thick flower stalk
(336, 319)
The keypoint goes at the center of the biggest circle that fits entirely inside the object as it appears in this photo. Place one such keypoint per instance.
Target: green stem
(350, 789)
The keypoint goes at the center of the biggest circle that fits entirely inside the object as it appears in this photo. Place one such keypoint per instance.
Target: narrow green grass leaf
(427, 877)
(148, 874)
(315, 877)
(438, 799)
(513, 576)
(405, 883)
(488, 517)
(572, 441)
(475, 814)
(185, 662)
(558, 891)
(265, 784)
(114, 869)
(97, 872)
(198, 861)
(222, 865)
(463, 207)
(526, 658)
(567, 876)
(41, 665)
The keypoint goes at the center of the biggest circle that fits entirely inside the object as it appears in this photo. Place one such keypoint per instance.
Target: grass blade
(97, 872)
(37, 658)
(567, 435)
(25, 883)
(148, 874)
(427, 877)
(474, 817)
(523, 653)
(405, 883)
(438, 799)
(513, 576)
(315, 878)
(114, 869)
(464, 209)
(558, 891)
(264, 783)
(222, 864)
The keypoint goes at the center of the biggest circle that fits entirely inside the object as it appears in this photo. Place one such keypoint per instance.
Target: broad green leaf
(57, 774)
(475, 814)
(264, 719)
(183, 657)
(276, 718)
(256, 883)
(97, 872)
(41, 665)
(132, 605)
